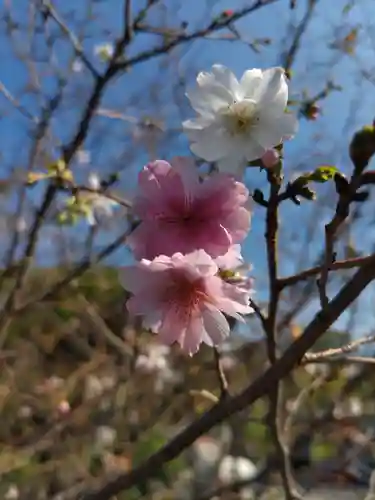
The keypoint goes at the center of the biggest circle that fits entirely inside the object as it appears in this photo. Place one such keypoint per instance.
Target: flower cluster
(190, 275)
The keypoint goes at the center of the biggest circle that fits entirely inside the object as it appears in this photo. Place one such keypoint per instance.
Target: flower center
(184, 292)
(240, 117)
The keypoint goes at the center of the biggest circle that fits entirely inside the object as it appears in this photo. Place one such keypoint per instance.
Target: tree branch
(261, 386)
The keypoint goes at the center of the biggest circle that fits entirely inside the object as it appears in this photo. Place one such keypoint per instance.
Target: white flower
(234, 469)
(93, 387)
(105, 436)
(238, 121)
(102, 206)
(12, 493)
(155, 362)
(104, 51)
(77, 66)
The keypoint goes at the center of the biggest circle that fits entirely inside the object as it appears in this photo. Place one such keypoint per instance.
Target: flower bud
(270, 158)
(311, 111)
(362, 147)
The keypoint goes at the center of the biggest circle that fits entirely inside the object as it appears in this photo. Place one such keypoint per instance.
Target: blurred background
(84, 392)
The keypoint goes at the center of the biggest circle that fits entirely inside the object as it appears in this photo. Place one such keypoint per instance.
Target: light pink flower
(181, 214)
(183, 300)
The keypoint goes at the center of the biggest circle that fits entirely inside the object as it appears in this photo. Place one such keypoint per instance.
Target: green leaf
(322, 451)
(64, 313)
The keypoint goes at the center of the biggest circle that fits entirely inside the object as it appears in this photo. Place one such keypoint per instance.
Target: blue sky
(150, 88)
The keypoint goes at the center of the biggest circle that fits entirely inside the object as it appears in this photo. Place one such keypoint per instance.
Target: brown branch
(331, 229)
(290, 55)
(274, 418)
(25, 264)
(362, 360)
(215, 25)
(261, 386)
(221, 375)
(82, 267)
(258, 312)
(78, 49)
(128, 28)
(352, 346)
(9, 96)
(309, 273)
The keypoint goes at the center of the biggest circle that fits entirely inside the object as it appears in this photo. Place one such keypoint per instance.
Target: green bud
(362, 147)
(307, 193)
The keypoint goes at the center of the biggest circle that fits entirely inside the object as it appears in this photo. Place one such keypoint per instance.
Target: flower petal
(210, 143)
(227, 79)
(273, 89)
(193, 336)
(271, 131)
(209, 97)
(250, 82)
(173, 324)
(215, 324)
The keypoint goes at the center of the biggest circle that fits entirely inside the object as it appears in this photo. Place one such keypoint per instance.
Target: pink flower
(181, 214)
(270, 158)
(183, 300)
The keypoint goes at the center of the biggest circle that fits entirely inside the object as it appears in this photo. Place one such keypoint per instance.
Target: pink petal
(134, 278)
(215, 324)
(174, 323)
(238, 224)
(192, 338)
(232, 259)
(188, 171)
(203, 262)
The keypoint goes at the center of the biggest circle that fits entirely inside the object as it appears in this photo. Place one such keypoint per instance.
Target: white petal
(271, 132)
(250, 82)
(94, 181)
(215, 324)
(226, 78)
(209, 99)
(234, 165)
(196, 124)
(254, 149)
(211, 143)
(273, 89)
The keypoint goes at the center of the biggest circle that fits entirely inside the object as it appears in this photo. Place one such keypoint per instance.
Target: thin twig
(259, 313)
(331, 229)
(335, 266)
(352, 346)
(101, 192)
(215, 25)
(299, 402)
(78, 49)
(81, 267)
(9, 96)
(362, 360)
(221, 375)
